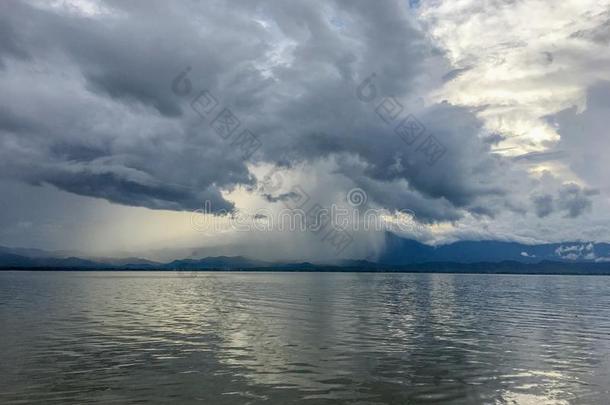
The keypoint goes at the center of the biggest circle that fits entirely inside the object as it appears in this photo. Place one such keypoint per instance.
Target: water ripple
(303, 337)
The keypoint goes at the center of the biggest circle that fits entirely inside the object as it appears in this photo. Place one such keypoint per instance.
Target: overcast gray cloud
(88, 107)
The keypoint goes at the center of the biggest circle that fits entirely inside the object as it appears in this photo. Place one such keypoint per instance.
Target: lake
(312, 338)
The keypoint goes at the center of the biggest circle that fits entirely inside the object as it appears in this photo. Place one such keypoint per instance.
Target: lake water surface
(282, 338)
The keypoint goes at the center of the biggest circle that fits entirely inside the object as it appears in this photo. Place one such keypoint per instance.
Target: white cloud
(523, 60)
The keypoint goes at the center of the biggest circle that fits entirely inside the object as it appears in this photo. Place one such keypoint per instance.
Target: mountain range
(399, 255)
(399, 251)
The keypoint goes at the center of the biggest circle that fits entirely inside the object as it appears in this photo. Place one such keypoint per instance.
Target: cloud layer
(453, 111)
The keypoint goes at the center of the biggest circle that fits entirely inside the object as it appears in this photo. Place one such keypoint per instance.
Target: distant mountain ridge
(399, 252)
(8, 260)
(218, 262)
(13, 261)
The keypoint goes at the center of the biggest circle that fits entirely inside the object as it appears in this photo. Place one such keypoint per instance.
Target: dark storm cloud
(127, 152)
(585, 135)
(12, 122)
(571, 200)
(544, 205)
(11, 45)
(454, 73)
(494, 139)
(574, 200)
(98, 116)
(599, 33)
(537, 157)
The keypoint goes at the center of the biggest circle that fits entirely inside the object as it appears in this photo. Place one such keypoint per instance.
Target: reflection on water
(75, 337)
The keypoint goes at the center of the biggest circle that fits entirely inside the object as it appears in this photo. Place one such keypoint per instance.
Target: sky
(168, 129)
